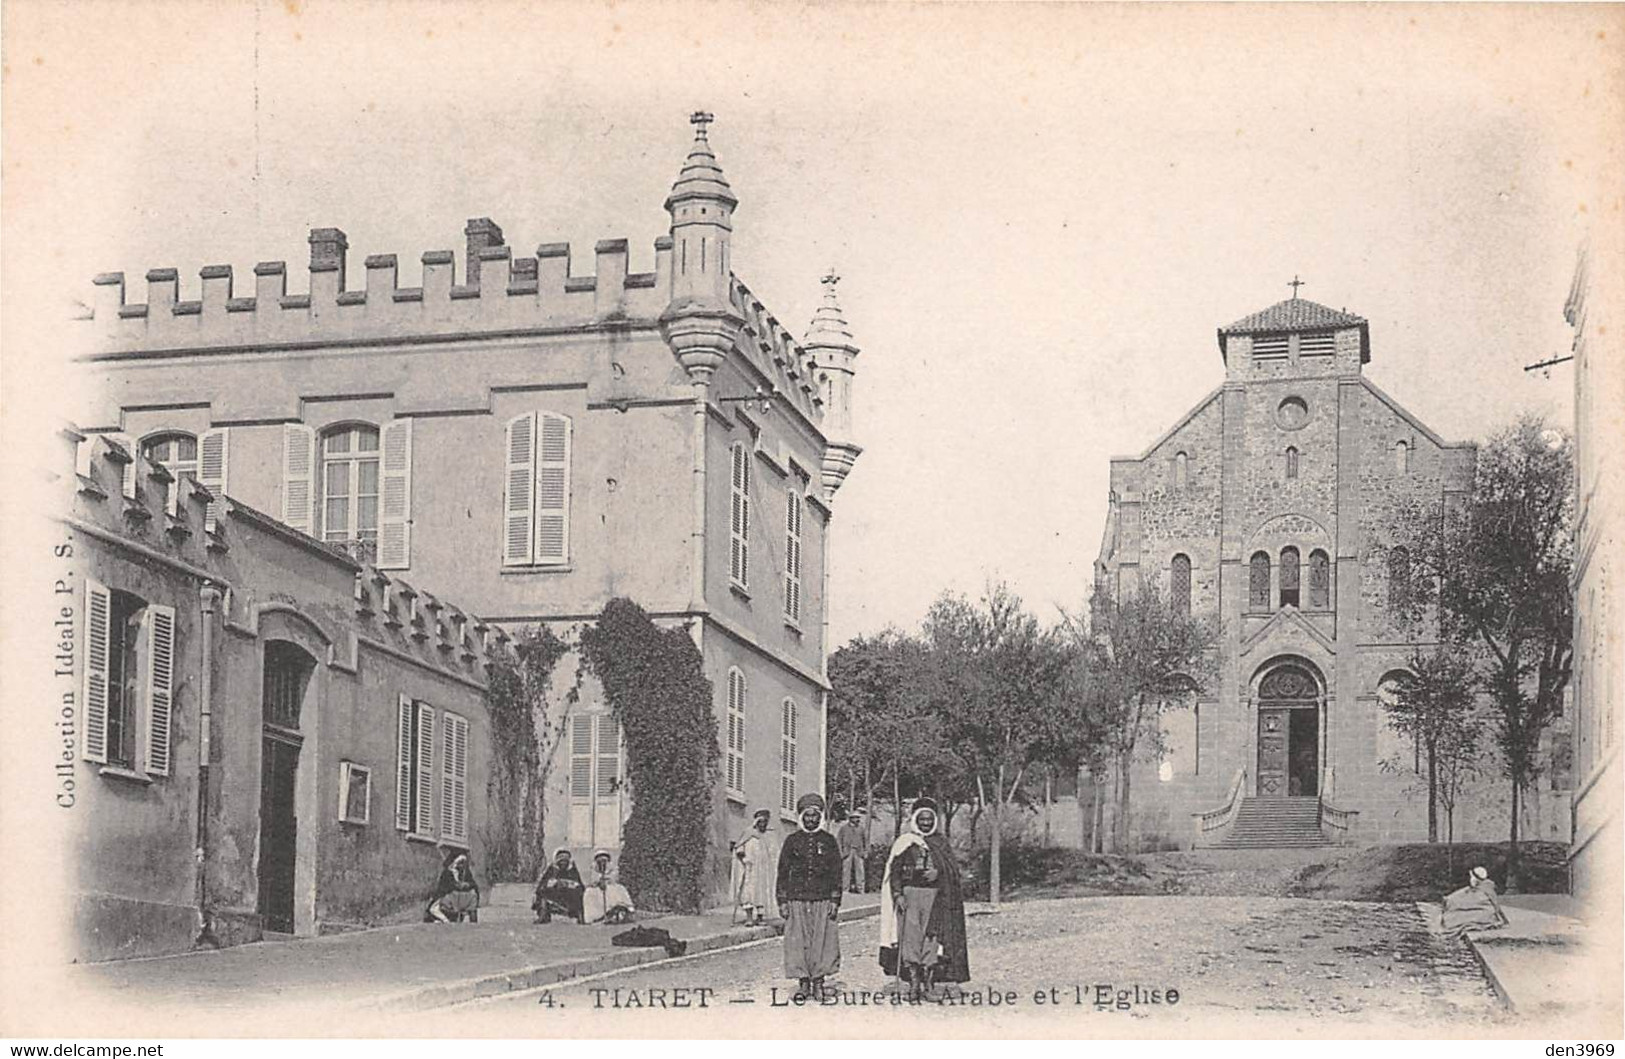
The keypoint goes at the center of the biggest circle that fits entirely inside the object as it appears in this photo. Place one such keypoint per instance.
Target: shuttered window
(414, 767)
(581, 756)
(735, 765)
(607, 757)
(1271, 347)
(395, 503)
(739, 518)
(214, 460)
(792, 556)
(454, 778)
(129, 681)
(298, 473)
(536, 491)
(787, 757)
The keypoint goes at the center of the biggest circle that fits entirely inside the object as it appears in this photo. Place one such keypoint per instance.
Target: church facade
(536, 440)
(1270, 508)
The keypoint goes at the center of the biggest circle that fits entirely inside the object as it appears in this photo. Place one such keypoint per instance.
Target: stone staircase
(1272, 823)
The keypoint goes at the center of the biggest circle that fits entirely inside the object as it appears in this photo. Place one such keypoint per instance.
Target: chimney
(327, 251)
(483, 233)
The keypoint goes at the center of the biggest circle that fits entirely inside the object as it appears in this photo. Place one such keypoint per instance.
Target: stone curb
(563, 970)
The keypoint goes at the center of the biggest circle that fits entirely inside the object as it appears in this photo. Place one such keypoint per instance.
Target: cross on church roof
(1295, 284)
(700, 119)
(830, 279)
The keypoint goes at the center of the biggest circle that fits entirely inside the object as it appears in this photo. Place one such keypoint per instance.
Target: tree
(1497, 566)
(1435, 704)
(993, 679)
(524, 737)
(1144, 657)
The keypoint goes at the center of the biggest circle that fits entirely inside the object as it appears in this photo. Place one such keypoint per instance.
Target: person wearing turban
(922, 907)
(809, 893)
(755, 866)
(1473, 907)
(605, 900)
(559, 889)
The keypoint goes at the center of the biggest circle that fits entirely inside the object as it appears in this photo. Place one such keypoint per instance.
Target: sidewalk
(413, 966)
(1543, 964)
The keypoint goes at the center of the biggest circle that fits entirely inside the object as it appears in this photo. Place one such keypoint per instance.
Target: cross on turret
(830, 279)
(700, 119)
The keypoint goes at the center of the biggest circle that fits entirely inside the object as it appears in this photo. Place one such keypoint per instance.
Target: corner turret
(700, 323)
(834, 353)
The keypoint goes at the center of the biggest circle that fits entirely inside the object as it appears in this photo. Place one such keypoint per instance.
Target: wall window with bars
(1317, 344)
(1179, 584)
(1258, 582)
(536, 495)
(787, 756)
(739, 517)
(287, 674)
(1271, 347)
(734, 766)
(792, 556)
(1289, 577)
(1320, 580)
(129, 675)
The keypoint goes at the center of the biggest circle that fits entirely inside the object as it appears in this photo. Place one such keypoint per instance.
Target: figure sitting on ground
(456, 894)
(559, 889)
(605, 900)
(1473, 907)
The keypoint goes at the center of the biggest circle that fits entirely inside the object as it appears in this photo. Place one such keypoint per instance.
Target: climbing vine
(659, 695)
(523, 737)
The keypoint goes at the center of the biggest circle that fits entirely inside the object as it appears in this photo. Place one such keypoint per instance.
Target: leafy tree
(524, 737)
(1498, 566)
(993, 679)
(1143, 657)
(1435, 704)
(659, 695)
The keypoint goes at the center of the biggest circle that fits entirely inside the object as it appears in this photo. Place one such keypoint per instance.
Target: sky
(1041, 213)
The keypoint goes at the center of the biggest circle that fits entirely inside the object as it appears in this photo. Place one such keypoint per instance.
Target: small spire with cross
(700, 119)
(831, 278)
(1295, 284)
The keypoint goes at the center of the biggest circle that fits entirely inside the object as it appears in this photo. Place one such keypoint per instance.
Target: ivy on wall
(659, 695)
(523, 737)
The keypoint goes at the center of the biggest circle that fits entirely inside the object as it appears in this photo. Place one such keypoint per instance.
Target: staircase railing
(1217, 819)
(1330, 816)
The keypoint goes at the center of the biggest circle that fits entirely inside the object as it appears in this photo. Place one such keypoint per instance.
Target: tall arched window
(1399, 578)
(1291, 462)
(1181, 470)
(1258, 582)
(1179, 585)
(1402, 457)
(1320, 581)
(350, 487)
(1289, 576)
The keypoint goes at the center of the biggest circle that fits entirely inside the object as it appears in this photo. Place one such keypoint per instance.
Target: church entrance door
(1288, 734)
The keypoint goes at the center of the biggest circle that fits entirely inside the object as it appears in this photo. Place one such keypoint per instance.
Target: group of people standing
(922, 908)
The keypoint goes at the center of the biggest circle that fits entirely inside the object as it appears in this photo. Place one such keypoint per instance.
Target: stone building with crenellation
(538, 438)
(1270, 508)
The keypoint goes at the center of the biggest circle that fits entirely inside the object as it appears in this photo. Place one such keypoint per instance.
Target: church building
(1269, 508)
(535, 440)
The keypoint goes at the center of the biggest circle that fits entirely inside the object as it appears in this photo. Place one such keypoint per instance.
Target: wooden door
(1272, 752)
(278, 833)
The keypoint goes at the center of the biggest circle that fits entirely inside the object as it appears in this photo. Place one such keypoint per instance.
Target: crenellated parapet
(776, 354)
(499, 293)
(259, 565)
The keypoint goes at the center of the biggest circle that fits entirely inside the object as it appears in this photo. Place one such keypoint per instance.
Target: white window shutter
(395, 505)
(459, 792)
(214, 451)
(553, 489)
(792, 556)
(403, 764)
(581, 756)
(739, 523)
(608, 751)
(519, 495)
(160, 686)
(424, 823)
(128, 444)
(98, 646)
(299, 476)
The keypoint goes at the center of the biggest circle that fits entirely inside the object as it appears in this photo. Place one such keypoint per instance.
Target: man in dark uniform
(809, 894)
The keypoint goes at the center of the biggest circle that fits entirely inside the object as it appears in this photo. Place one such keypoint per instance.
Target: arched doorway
(287, 676)
(1289, 700)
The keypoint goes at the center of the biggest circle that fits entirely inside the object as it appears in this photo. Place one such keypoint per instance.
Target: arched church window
(1291, 462)
(1289, 576)
(1258, 582)
(1399, 578)
(1181, 470)
(1179, 581)
(1402, 457)
(1320, 581)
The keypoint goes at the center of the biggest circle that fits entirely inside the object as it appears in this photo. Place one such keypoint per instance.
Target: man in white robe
(755, 868)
